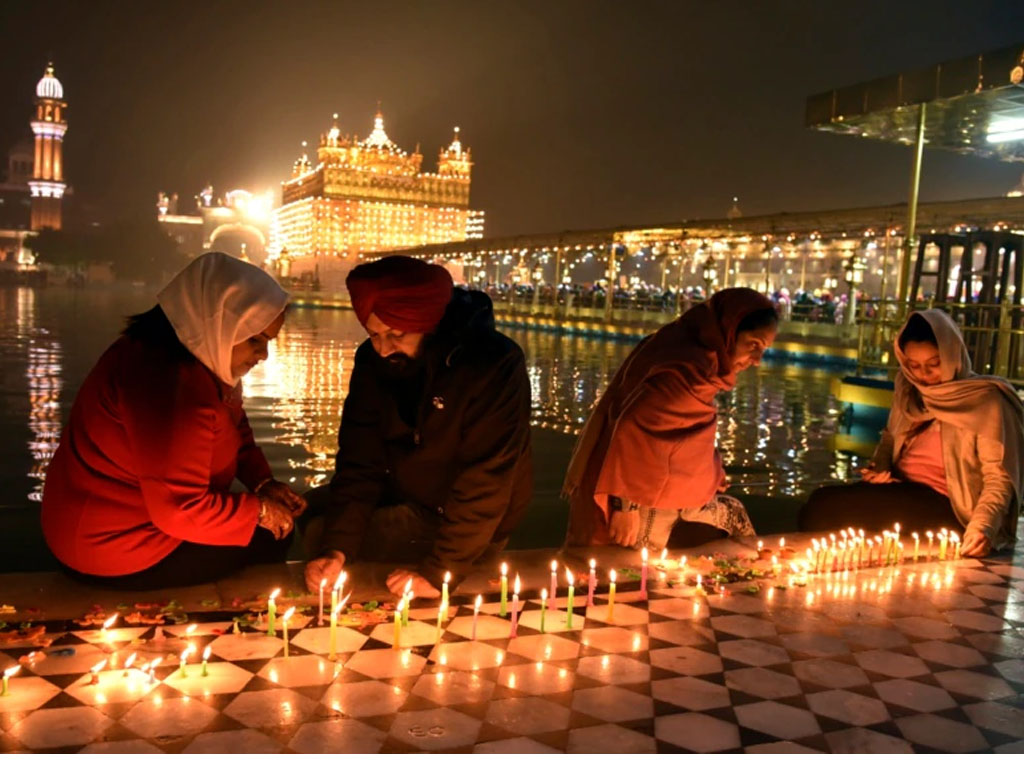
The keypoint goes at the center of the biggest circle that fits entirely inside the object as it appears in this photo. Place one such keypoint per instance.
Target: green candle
(7, 674)
(408, 599)
(284, 627)
(272, 611)
(504, 590)
(543, 607)
(206, 657)
(398, 624)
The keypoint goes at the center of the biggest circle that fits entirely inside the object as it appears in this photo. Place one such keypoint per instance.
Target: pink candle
(515, 608)
(593, 581)
(643, 574)
(554, 580)
(320, 615)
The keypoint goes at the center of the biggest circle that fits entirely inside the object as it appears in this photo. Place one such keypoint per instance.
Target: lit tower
(47, 182)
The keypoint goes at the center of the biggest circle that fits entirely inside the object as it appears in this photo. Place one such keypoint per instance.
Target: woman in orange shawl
(646, 458)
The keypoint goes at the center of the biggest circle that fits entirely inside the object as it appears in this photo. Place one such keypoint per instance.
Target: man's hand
(624, 527)
(277, 491)
(276, 518)
(976, 544)
(876, 476)
(325, 567)
(420, 586)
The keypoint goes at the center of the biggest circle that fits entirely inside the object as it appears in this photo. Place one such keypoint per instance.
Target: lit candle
(284, 627)
(775, 565)
(943, 537)
(104, 633)
(204, 672)
(664, 558)
(682, 563)
(782, 545)
(8, 674)
(917, 545)
(543, 607)
(272, 611)
(332, 651)
(94, 671)
(503, 606)
(444, 592)
(955, 538)
(699, 589)
(817, 555)
(440, 614)
(568, 616)
(184, 655)
(408, 602)
(554, 580)
(643, 573)
(398, 624)
(320, 613)
(760, 546)
(900, 555)
(150, 671)
(128, 664)
(611, 595)
(593, 580)
(476, 612)
(515, 608)
(878, 543)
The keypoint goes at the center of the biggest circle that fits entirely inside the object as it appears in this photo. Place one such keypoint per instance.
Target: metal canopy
(975, 105)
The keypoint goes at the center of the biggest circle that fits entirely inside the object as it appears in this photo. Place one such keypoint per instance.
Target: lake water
(775, 427)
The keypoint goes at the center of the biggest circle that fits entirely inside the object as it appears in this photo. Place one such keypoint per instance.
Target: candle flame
(109, 622)
(544, 595)
(568, 576)
(323, 583)
(408, 585)
(515, 587)
(340, 580)
(554, 566)
(478, 603)
(896, 527)
(782, 543)
(611, 575)
(97, 667)
(643, 554)
(682, 561)
(664, 553)
(188, 652)
(275, 593)
(288, 614)
(10, 671)
(914, 535)
(447, 577)
(206, 652)
(190, 629)
(504, 569)
(760, 546)
(129, 661)
(954, 537)
(593, 563)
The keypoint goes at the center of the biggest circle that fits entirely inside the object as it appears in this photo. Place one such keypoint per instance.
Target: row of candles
(849, 550)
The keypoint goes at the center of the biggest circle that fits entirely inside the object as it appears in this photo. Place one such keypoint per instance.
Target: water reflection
(775, 427)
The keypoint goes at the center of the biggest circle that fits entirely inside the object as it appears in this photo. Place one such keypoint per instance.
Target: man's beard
(398, 366)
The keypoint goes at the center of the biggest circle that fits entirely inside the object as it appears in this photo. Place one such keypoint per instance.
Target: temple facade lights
(49, 125)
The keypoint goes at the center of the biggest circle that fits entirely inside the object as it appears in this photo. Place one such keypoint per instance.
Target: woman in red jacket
(138, 493)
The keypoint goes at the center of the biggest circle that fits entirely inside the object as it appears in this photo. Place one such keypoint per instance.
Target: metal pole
(610, 293)
(910, 236)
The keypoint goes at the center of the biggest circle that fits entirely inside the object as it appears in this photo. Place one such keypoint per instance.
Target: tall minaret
(49, 125)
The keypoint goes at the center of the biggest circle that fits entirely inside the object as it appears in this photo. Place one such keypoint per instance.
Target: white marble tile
(527, 715)
(222, 677)
(925, 628)
(974, 684)
(247, 645)
(298, 671)
(450, 687)
(684, 660)
(614, 640)
(764, 683)
(941, 733)
(413, 634)
(26, 694)
(623, 615)
(829, 673)
(950, 654)
(468, 656)
(318, 640)
(521, 745)
(269, 709)
(681, 632)
(435, 729)
(609, 739)
(337, 736)
(537, 678)
(743, 626)
(691, 693)
(1011, 670)
(891, 663)
(697, 732)
(241, 742)
(979, 621)
(126, 747)
(781, 748)
(873, 636)
(386, 663)
(754, 653)
(555, 621)
(914, 695)
(158, 717)
(68, 726)
(365, 699)
(544, 647)
(1001, 718)
(614, 670)
(112, 687)
(613, 704)
(865, 741)
(779, 720)
(814, 644)
(848, 707)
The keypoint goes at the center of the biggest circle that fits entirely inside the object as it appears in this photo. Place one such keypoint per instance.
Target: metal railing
(993, 333)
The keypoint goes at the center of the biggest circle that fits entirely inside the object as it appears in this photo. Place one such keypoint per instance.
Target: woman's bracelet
(261, 483)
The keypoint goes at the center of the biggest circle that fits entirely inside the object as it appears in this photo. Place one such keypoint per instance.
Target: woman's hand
(624, 527)
(279, 492)
(327, 567)
(976, 544)
(397, 581)
(877, 476)
(276, 518)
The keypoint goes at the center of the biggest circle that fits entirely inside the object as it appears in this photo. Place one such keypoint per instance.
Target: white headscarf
(218, 301)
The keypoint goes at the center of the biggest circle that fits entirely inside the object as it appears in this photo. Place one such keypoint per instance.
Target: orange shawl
(651, 438)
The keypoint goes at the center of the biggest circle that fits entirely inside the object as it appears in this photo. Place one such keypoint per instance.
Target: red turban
(404, 293)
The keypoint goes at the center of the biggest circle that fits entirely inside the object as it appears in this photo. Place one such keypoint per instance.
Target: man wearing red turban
(433, 463)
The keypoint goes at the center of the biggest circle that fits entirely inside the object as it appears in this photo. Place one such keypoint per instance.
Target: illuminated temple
(364, 196)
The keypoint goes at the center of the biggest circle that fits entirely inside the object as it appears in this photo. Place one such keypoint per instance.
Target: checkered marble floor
(920, 658)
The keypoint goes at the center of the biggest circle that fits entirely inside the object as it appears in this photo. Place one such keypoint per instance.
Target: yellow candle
(184, 656)
(942, 544)
(917, 544)
(320, 612)
(128, 664)
(611, 594)
(931, 543)
(476, 612)
(272, 611)
(332, 651)
(204, 672)
(956, 543)
(444, 592)
(543, 607)
(284, 626)
(503, 606)
(8, 674)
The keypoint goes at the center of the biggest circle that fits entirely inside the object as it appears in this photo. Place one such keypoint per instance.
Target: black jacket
(467, 454)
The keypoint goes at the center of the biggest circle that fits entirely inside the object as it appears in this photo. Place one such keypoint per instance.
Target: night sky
(579, 114)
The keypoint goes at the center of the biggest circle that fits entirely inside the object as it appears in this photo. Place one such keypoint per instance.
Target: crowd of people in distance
(158, 480)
